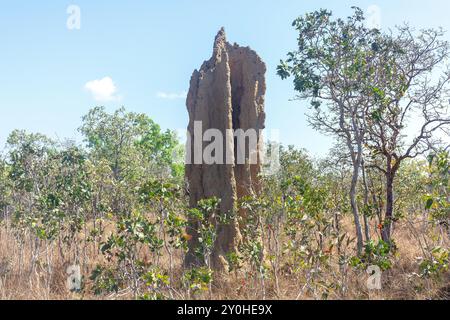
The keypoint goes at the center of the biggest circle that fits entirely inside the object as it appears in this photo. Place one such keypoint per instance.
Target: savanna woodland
(107, 218)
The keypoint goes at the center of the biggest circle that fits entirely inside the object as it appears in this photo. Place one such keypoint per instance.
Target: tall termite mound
(226, 93)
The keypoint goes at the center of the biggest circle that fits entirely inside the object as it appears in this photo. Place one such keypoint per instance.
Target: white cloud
(103, 89)
(172, 95)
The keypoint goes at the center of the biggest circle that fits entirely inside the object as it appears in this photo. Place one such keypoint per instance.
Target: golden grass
(44, 276)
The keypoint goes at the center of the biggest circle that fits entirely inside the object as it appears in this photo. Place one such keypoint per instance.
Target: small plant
(135, 233)
(379, 254)
(198, 279)
(252, 247)
(436, 264)
(155, 280)
(104, 280)
(207, 219)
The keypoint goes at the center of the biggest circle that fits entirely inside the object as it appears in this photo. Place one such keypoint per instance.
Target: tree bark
(357, 159)
(355, 211)
(387, 225)
(366, 203)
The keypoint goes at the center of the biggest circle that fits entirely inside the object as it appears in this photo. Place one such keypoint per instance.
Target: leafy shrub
(379, 254)
(436, 264)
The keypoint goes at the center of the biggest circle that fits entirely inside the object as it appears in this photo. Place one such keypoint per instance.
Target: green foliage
(126, 139)
(134, 233)
(104, 280)
(207, 218)
(437, 201)
(252, 222)
(50, 183)
(61, 193)
(379, 254)
(5, 187)
(132, 230)
(436, 264)
(198, 279)
(155, 279)
(110, 201)
(342, 48)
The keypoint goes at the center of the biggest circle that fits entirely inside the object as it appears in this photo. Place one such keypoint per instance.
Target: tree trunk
(354, 206)
(366, 203)
(387, 225)
(357, 159)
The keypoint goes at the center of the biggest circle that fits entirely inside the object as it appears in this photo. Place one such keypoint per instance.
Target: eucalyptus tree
(332, 68)
(28, 157)
(124, 138)
(375, 86)
(134, 147)
(411, 94)
(5, 202)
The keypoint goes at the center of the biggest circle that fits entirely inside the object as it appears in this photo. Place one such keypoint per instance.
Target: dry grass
(44, 276)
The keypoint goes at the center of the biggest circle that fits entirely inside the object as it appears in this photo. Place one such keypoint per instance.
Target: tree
(373, 83)
(124, 138)
(437, 200)
(133, 146)
(332, 68)
(408, 87)
(5, 189)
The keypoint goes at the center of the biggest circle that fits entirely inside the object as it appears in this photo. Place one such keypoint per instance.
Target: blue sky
(149, 49)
